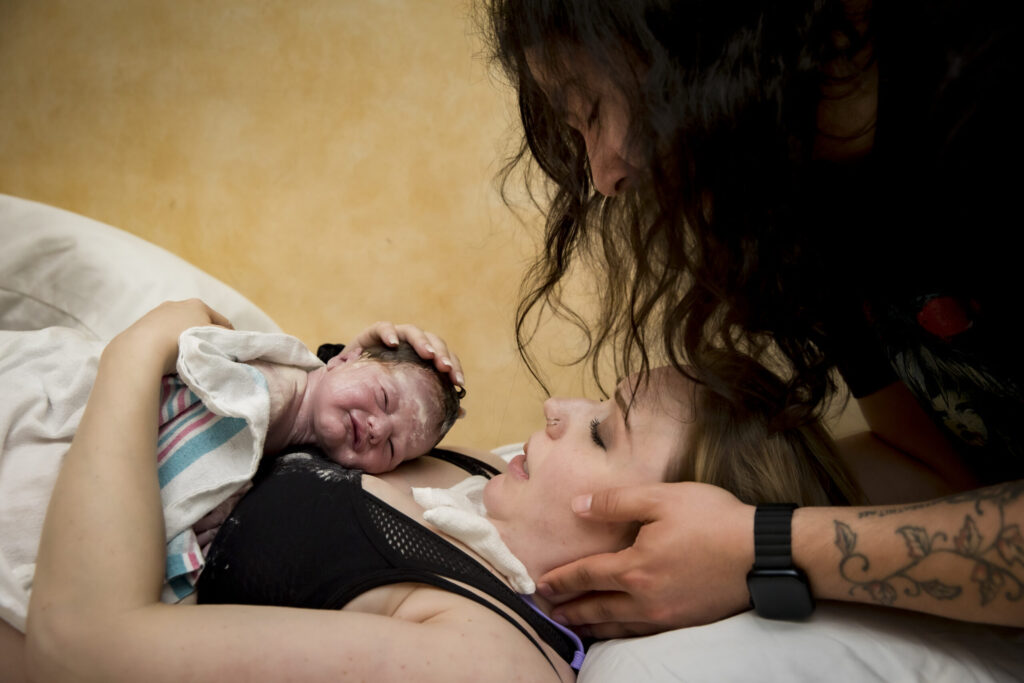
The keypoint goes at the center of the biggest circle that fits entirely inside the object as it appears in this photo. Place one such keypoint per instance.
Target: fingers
(205, 537)
(628, 504)
(427, 344)
(188, 313)
(218, 319)
(605, 615)
(611, 614)
(593, 573)
(381, 331)
(613, 630)
(594, 608)
(155, 334)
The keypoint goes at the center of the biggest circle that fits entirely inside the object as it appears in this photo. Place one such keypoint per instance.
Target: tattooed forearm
(984, 553)
(894, 511)
(1000, 494)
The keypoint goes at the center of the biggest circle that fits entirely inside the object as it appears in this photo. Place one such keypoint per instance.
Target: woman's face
(373, 415)
(585, 447)
(598, 111)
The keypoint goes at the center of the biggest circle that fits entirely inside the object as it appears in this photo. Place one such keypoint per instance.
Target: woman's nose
(560, 413)
(609, 171)
(554, 417)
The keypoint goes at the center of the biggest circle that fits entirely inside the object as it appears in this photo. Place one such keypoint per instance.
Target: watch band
(778, 590)
(773, 535)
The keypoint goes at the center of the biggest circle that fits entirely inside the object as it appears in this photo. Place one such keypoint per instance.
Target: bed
(58, 268)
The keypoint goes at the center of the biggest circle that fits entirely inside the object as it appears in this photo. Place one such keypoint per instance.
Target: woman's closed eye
(595, 436)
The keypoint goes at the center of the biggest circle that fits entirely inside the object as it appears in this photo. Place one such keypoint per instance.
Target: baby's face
(374, 416)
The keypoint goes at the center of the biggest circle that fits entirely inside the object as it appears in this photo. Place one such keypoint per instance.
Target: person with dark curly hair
(825, 186)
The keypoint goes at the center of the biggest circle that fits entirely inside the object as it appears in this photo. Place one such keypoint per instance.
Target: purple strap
(577, 658)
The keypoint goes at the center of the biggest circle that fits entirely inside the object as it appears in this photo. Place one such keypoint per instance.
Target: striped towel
(214, 417)
(189, 431)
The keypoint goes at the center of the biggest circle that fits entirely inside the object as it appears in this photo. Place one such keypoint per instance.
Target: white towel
(208, 470)
(211, 361)
(459, 512)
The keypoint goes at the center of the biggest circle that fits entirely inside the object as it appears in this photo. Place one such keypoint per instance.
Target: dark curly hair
(704, 253)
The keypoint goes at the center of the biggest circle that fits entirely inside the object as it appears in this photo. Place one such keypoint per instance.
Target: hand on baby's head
(376, 410)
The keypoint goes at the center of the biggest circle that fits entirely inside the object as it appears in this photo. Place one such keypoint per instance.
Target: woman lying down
(328, 573)
(237, 397)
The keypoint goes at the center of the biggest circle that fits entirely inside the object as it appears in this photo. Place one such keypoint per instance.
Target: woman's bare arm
(895, 417)
(961, 556)
(887, 474)
(102, 549)
(12, 654)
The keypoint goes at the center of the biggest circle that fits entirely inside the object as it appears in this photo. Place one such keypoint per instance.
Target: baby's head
(376, 410)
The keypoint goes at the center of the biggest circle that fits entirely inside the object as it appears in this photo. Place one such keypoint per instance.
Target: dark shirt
(926, 248)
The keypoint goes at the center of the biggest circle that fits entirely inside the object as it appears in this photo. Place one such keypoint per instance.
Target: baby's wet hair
(449, 395)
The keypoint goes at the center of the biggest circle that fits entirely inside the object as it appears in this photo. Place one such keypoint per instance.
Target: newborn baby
(371, 411)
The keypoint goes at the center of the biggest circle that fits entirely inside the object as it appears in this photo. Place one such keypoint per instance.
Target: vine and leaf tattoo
(993, 555)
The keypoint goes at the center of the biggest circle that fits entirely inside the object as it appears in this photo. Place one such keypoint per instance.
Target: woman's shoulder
(479, 640)
(471, 460)
(499, 642)
(443, 468)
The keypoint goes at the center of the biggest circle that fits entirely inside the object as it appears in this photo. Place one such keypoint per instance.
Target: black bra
(308, 535)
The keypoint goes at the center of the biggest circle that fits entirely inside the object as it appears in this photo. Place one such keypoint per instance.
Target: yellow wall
(330, 159)
(333, 160)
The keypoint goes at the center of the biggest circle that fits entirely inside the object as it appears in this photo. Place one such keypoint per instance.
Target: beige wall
(330, 159)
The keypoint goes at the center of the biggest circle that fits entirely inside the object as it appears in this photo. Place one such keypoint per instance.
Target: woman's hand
(158, 330)
(687, 566)
(427, 345)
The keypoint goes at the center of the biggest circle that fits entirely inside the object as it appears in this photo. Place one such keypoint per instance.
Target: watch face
(780, 593)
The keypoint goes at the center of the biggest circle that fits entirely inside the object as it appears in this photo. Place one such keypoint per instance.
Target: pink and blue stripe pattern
(188, 430)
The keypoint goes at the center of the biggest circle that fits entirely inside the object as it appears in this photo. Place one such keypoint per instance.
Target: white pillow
(840, 643)
(59, 268)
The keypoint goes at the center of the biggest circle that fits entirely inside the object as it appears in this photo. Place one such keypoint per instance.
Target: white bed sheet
(840, 643)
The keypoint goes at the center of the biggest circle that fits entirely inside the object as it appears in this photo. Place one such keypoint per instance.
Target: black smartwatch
(778, 590)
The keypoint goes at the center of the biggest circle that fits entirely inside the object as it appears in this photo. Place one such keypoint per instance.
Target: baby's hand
(427, 345)
(207, 527)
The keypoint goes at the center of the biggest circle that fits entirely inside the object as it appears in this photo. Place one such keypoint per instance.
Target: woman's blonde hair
(741, 442)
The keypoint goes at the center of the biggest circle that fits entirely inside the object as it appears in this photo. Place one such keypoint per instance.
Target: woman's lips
(517, 467)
